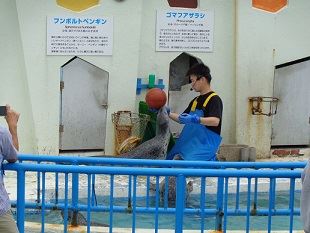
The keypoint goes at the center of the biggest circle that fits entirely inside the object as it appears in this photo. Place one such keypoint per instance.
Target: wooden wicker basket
(128, 130)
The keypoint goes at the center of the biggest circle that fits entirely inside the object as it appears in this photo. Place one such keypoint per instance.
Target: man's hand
(185, 118)
(12, 119)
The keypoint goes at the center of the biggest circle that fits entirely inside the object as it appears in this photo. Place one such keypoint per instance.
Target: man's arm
(209, 121)
(12, 119)
(174, 116)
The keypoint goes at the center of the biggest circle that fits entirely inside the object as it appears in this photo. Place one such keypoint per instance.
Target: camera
(2, 110)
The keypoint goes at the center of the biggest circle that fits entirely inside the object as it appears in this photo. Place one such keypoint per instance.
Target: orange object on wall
(183, 3)
(269, 5)
(77, 5)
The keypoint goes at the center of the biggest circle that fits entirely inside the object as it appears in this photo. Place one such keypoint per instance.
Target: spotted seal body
(156, 147)
(77, 219)
(172, 188)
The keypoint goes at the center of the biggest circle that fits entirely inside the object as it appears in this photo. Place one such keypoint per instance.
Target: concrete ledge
(230, 152)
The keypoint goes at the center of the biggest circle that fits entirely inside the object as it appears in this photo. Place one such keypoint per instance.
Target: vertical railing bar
(225, 204)
(202, 202)
(255, 194)
(166, 192)
(89, 184)
(66, 203)
(21, 200)
(75, 194)
(219, 203)
(274, 193)
(291, 203)
(56, 187)
(270, 204)
(147, 201)
(111, 202)
(237, 193)
(134, 204)
(179, 204)
(38, 186)
(156, 204)
(248, 212)
(43, 203)
(93, 192)
(129, 192)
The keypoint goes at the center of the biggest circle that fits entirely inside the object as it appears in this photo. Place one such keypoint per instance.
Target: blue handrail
(224, 172)
(190, 172)
(162, 163)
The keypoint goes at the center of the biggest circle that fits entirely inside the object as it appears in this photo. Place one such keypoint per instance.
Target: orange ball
(155, 98)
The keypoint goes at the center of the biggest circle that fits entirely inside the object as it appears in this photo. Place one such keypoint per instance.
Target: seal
(171, 189)
(156, 147)
(77, 219)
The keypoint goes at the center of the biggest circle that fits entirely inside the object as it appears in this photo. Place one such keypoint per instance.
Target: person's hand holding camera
(11, 116)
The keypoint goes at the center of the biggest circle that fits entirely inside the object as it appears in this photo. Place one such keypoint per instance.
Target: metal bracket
(62, 85)
(257, 105)
(61, 128)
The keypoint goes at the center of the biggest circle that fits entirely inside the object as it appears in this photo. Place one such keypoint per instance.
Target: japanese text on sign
(184, 30)
(79, 36)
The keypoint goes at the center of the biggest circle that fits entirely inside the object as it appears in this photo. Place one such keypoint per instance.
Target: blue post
(156, 204)
(271, 204)
(202, 202)
(93, 196)
(219, 204)
(21, 200)
(139, 86)
(248, 212)
(129, 194)
(147, 201)
(111, 203)
(237, 193)
(255, 197)
(89, 184)
(291, 203)
(225, 204)
(43, 203)
(38, 186)
(179, 209)
(134, 203)
(160, 84)
(66, 204)
(166, 192)
(75, 194)
(56, 187)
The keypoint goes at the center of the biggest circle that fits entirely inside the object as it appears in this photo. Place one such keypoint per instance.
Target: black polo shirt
(214, 108)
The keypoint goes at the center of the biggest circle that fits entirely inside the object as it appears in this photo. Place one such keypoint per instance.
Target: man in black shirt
(200, 137)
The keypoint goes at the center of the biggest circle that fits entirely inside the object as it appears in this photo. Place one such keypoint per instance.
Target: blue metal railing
(227, 174)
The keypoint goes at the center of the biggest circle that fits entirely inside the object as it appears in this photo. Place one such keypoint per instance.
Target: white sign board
(184, 30)
(72, 35)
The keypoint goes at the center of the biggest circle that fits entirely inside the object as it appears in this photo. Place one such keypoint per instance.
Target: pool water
(167, 221)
